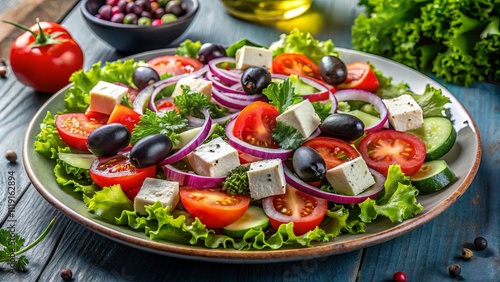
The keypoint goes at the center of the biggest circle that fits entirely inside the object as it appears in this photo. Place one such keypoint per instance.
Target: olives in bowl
(132, 37)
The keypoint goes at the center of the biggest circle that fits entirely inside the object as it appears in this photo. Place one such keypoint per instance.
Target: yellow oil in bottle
(266, 10)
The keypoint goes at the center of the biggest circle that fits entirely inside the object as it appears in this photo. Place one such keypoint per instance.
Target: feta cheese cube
(404, 113)
(250, 56)
(104, 96)
(350, 178)
(153, 190)
(214, 159)
(266, 178)
(195, 84)
(302, 117)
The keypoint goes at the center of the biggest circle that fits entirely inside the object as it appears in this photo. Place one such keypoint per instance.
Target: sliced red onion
(227, 102)
(261, 152)
(216, 83)
(371, 192)
(197, 140)
(366, 96)
(191, 179)
(149, 93)
(333, 102)
(240, 97)
(226, 76)
(197, 122)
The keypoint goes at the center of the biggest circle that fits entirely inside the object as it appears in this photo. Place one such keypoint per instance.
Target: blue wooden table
(424, 254)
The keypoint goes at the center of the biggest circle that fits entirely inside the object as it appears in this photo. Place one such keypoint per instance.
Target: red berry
(156, 22)
(399, 277)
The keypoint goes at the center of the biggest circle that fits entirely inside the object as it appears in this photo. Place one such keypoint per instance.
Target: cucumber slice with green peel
(77, 160)
(367, 119)
(432, 177)
(253, 218)
(439, 136)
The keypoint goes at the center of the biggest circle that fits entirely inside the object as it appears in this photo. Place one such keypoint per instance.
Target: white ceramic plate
(463, 159)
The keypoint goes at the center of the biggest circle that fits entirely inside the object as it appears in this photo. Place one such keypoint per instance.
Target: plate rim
(253, 256)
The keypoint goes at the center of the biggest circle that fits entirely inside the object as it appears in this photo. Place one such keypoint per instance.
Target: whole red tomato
(45, 56)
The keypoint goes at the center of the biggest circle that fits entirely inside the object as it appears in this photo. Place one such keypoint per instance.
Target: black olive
(150, 150)
(332, 70)
(343, 126)
(109, 139)
(255, 79)
(308, 164)
(480, 243)
(144, 76)
(210, 51)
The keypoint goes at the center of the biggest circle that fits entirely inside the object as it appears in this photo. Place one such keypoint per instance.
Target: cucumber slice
(253, 218)
(432, 177)
(77, 160)
(439, 136)
(367, 119)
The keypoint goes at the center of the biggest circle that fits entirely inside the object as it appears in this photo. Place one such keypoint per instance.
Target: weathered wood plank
(25, 12)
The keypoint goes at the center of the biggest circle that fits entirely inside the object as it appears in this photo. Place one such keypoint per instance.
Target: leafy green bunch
(457, 40)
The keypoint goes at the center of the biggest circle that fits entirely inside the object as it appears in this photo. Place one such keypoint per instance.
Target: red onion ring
(333, 103)
(197, 122)
(197, 140)
(191, 179)
(224, 75)
(371, 192)
(216, 83)
(149, 93)
(366, 96)
(261, 152)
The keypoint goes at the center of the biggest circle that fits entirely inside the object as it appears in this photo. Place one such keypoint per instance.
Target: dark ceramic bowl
(134, 38)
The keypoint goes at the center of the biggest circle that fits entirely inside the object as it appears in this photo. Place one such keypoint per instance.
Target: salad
(248, 147)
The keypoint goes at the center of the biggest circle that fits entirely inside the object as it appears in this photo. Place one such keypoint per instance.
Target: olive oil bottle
(266, 10)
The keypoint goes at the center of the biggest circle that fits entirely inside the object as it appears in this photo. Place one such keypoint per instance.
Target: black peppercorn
(480, 243)
(66, 274)
(11, 156)
(454, 270)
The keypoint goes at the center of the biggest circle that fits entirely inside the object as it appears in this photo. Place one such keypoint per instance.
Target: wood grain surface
(424, 254)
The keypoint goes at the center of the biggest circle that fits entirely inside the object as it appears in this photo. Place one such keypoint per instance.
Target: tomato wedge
(291, 63)
(255, 124)
(305, 211)
(334, 151)
(114, 170)
(360, 75)
(174, 65)
(74, 128)
(124, 115)
(386, 147)
(212, 206)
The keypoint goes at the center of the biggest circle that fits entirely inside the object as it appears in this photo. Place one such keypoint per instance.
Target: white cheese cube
(302, 117)
(250, 56)
(404, 113)
(104, 96)
(350, 178)
(154, 190)
(266, 178)
(195, 84)
(214, 159)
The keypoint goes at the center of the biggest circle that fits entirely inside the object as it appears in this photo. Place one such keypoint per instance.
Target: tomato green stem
(42, 38)
(23, 27)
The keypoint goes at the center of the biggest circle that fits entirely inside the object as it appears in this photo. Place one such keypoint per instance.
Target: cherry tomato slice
(291, 63)
(360, 76)
(255, 124)
(74, 128)
(386, 147)
(334, 151)
(213, 206)
(305, 211)
(114, 170)
(166, 105)
(174, 65)
(124, 115)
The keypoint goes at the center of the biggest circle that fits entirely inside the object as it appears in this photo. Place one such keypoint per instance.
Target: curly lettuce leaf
(303, 43)
(397, 202)
(231, 50)
(48, 140)
(109, 203)
(77, 98)
(188, 48)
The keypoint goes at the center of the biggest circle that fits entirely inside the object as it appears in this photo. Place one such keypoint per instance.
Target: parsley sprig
(166, 123)
(282, 95)
(12, 244)
(191, 103)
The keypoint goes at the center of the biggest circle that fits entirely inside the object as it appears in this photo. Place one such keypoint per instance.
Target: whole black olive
(109, 139)
(210, 51)
(144, 76)
(255, 79)
(343, 126)
(150, 150)
(332, 70)
(308, 164)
